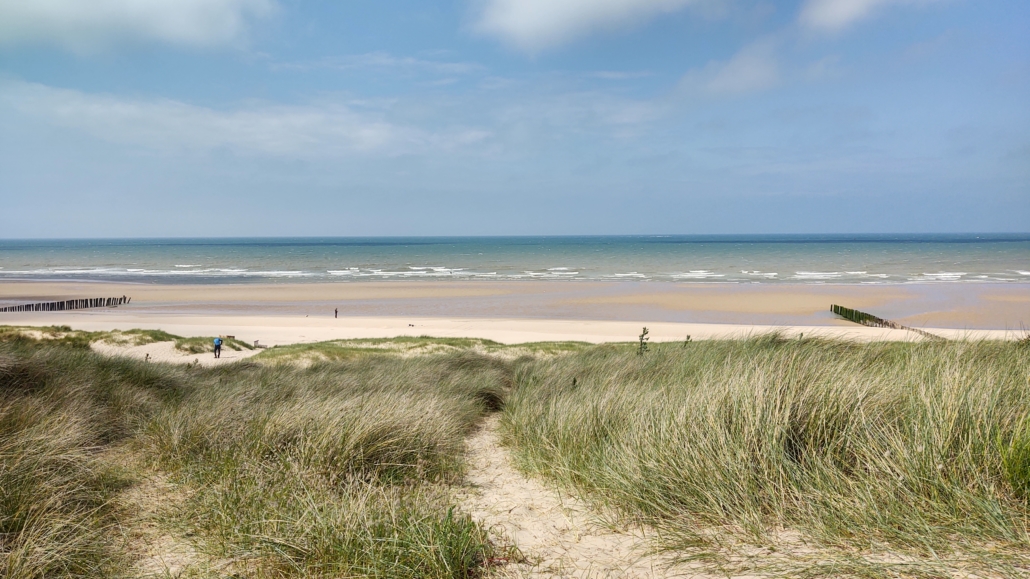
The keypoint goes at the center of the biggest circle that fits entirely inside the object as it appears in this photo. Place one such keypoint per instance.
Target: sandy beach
(519, 312)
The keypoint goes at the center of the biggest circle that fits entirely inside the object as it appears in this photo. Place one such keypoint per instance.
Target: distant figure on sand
(336, 313)
(218, 347)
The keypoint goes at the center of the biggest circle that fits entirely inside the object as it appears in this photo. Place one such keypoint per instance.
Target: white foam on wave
(697, 274)
(940, 276)
(282, 274)
(435, 269)
(140, 272)
(411, 272)
(405, 271)
(828, 275)
(547, 274)
(66, 271)
(816, 275)
(238, 272)
(866, 274)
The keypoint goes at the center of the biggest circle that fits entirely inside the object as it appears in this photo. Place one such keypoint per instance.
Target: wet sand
(964, 306)
(528, 311)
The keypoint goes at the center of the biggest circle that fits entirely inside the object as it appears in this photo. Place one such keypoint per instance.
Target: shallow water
(849, 259)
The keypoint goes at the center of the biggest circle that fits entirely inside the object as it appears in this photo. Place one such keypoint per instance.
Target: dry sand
(281, 330)
(166, 352)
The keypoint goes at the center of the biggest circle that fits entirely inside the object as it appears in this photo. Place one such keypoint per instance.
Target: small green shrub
(642, 342)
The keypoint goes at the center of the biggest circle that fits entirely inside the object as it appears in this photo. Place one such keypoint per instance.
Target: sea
(737, 259)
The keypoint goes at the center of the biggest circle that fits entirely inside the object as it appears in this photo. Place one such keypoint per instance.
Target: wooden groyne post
(876, 322)
(65, 305)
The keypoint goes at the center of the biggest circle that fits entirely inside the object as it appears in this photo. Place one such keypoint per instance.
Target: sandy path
(557, 534)
(159, 553)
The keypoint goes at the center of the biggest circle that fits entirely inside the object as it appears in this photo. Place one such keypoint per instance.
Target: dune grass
(334, 470)
(765, 456)
(879, 460)
(66, 336)
(341, 469)
(207, 344)
(335, 350)
(57, 518)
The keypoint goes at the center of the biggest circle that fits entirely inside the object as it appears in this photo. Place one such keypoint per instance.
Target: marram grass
(918, 450)
(334, 470)
(766, 456)
(338, 470)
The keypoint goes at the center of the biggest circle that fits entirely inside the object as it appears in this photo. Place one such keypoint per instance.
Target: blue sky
(479, 117)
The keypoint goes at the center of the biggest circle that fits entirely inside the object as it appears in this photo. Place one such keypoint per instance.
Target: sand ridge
(166, 352)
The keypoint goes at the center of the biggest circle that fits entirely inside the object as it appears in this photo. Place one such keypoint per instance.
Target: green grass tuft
(769, 456)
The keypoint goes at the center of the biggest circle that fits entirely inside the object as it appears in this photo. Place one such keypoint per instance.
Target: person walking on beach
(218, 347)
(336, 313)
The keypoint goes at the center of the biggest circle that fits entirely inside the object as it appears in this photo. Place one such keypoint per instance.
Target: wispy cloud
(384, 61)
(754, 68)
(827, 67)
(535, 25)
(98, 24)
(318, 130)
(832, 15)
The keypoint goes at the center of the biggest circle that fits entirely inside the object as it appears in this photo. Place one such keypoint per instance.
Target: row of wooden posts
(68, 305)
(876, 322)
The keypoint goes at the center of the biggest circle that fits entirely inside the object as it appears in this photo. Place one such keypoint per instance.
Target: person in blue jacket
(218, 347)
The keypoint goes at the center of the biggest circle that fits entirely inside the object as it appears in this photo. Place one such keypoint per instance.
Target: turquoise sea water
(992, 258)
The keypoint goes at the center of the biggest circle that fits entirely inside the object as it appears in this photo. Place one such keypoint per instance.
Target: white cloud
(533, 25)
(310, 131)
(754, 68)
(834, 15)
(88, 25)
